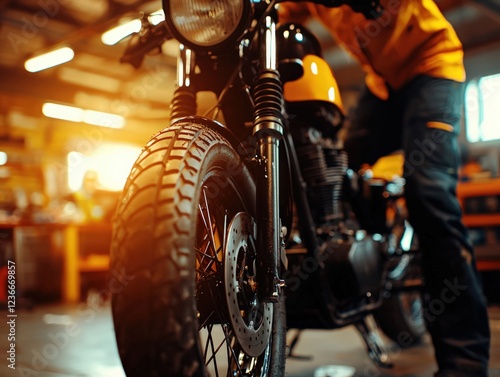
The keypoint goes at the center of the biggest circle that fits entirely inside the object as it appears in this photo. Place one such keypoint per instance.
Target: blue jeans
(423, 119)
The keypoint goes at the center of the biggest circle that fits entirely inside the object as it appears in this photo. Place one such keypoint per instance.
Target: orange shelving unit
(480, 201)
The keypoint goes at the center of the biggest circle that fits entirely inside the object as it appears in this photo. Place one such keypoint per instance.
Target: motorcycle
(240, 225)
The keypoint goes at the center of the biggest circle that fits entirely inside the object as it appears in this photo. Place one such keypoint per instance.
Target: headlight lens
(205, 22)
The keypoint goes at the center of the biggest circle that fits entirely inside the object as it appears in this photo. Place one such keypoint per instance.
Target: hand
(371, 9)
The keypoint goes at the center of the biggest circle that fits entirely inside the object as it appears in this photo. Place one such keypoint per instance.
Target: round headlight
(205, 23)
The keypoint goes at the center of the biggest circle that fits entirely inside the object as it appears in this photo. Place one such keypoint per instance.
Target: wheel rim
(412, 307)
(410, 302)
(225, 352)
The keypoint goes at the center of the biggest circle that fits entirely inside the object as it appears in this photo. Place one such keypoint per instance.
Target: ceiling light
(76, 114)
(3, 158)
(156, 17)
(54, 110)
(49, 59)
(98, 118)
(115, 35)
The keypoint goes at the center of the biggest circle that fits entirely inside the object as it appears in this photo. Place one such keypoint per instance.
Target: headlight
(206, 23)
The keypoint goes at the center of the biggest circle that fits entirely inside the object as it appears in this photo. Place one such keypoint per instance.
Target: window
(112, 163)
(482, 109)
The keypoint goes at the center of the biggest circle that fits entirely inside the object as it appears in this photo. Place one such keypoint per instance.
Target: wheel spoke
(214, 351)
(209, 317)
(230, 350)
(208, 221)
(210, 344)
(205, 256)
(216, 220)
(208, 237)
(226, 331)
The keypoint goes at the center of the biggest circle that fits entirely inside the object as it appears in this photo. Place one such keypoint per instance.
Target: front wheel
(184, 235)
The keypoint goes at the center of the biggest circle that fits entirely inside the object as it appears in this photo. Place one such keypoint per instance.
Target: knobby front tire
(184, 237)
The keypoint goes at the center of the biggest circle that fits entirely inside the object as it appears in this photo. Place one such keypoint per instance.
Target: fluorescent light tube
(98, 118)
(55, 110)
(115, 35)
(76, 114)
(3, 158)
(49, 59)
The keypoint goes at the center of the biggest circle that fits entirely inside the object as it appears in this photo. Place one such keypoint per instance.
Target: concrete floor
(78, 341)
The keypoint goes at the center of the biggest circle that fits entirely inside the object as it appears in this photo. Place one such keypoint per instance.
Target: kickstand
(377, 350)
(292, 345)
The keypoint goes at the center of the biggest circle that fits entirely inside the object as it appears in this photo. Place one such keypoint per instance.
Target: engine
(349, 263)
(322, 160)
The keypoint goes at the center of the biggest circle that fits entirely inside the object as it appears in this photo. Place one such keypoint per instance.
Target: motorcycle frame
(266, 146)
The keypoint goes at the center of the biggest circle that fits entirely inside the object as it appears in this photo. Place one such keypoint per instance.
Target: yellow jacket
(411, 37)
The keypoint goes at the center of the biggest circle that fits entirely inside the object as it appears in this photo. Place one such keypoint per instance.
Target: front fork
(184, 99)
(268, 130)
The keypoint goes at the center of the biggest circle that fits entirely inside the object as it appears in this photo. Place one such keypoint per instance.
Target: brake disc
(251, 319)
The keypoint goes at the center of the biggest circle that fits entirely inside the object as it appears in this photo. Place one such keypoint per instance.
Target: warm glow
(115, 35)
(76, 169)
(115, 163)
(112, 163)
(156, 17)
(50, 59)
(76, 114)
(3, 158)
(54, 110)
(90, 80)
(98, 118)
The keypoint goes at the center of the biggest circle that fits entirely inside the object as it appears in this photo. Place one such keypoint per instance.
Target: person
(412, 100)
(89, 209)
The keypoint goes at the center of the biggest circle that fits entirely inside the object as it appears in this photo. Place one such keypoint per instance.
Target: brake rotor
(251, 319)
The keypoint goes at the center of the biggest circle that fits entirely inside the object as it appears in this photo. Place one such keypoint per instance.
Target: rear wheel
(401, 316)
(184, 235)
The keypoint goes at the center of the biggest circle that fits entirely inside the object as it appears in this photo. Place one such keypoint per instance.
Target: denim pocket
(432, 148)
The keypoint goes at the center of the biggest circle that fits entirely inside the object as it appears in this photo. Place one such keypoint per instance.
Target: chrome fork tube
(268, 129)
(184, 99)
(185, 63)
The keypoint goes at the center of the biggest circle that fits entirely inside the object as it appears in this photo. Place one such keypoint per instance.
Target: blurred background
(69, 134)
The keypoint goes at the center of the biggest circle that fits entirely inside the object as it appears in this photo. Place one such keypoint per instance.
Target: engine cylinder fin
(323, 168)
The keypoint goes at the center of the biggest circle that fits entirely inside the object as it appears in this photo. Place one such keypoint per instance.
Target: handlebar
(152, 36)
(149, 38)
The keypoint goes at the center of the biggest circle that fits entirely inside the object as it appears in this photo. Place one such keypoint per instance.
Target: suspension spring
(268, 99)
(183, 103)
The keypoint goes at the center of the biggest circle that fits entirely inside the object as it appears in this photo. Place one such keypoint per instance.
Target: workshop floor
(78, 341)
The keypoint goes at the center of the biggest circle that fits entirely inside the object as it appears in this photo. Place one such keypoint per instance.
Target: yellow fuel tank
(316, 84)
